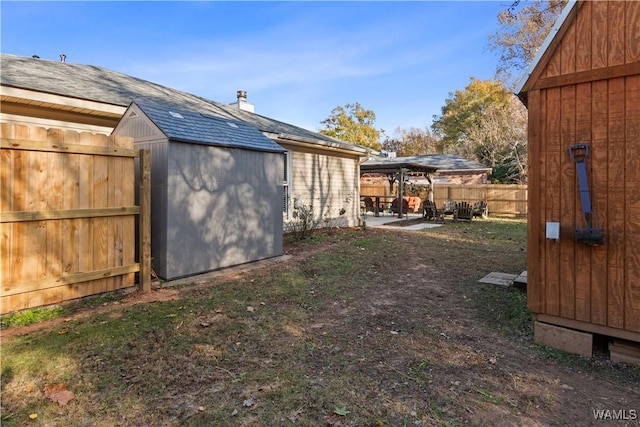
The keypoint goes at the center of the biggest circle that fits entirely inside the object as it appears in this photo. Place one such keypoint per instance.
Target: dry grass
(358, 328)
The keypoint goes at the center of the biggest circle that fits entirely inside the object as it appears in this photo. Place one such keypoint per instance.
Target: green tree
(500, 141)
(354, 124)
(411, 142)
(487, 123)
(463, 110)
(522, 28)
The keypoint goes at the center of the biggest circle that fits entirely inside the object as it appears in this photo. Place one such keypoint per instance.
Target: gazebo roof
(428, 164)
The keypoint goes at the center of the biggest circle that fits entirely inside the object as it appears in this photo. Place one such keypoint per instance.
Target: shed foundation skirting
(588, 327)
(569, 340)
(624, 352)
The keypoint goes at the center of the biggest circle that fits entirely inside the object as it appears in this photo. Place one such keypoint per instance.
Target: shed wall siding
(223, 208)
(147, 136)
(328, 183)
(595, 285)
(159, 154)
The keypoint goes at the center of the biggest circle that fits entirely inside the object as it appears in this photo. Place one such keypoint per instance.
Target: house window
(286, 190)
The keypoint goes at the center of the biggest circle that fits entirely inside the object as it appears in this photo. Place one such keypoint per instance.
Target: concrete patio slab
(384, 221)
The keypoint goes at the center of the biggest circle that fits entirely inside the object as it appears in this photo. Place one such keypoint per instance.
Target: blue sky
(296, 60)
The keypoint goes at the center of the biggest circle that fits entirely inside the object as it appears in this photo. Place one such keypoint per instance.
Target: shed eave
(56, 99)
(35, 98)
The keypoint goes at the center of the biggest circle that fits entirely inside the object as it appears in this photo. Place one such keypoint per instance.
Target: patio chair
(394, 206)
(430, 211)
(463, 211)
(481, 209)
(449, 208)
(368, 204)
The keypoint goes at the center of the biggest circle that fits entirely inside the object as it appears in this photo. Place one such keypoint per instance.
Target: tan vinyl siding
(328, 183)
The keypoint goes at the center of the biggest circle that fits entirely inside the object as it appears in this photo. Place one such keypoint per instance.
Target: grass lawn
(358, 328)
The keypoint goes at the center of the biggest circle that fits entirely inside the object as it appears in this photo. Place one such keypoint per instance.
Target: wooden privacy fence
(502, 199)
(67, 216)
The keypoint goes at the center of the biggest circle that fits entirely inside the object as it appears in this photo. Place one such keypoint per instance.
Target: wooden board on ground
(501, 279)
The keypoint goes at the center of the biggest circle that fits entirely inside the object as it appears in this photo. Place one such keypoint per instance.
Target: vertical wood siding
(598, 285)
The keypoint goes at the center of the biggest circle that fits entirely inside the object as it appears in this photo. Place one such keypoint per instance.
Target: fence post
(145, 221)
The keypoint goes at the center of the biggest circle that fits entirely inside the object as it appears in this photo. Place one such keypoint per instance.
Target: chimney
(241, 103)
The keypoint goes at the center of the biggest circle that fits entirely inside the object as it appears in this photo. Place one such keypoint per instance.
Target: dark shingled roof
(99, 84)
(427, 163)
(191, 126)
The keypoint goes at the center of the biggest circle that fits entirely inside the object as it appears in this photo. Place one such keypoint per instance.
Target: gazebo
(396, 168)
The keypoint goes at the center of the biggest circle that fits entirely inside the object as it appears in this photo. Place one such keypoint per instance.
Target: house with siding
(316, 170)
(583, 96)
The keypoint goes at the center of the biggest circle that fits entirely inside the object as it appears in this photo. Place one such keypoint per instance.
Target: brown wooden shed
(584, 88)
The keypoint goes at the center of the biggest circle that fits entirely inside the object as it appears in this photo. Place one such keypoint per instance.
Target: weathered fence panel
(67, 216)
(506, 200)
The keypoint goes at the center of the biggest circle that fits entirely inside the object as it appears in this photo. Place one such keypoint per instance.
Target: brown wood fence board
(67, 217)
(78, 147)
(55, 193)
(100, 233)
(510, 200)
(70, 279)
(144, 241)
(113, 226)
(26, 216)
